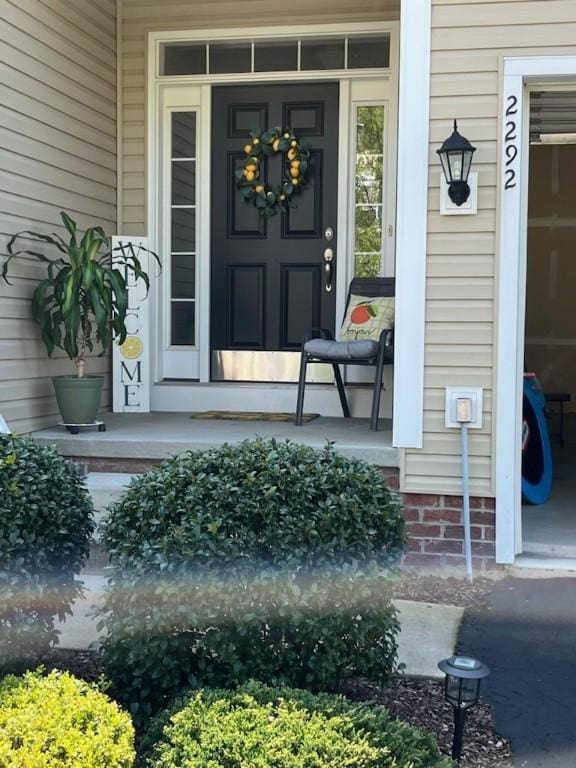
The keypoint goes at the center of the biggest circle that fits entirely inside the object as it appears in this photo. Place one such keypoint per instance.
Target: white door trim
(158, 85)
(519, 72)
(411, 222)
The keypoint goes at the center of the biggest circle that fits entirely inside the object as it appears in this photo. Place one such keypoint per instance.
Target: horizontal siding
(142, 16)
(57, 152)
(469, 37)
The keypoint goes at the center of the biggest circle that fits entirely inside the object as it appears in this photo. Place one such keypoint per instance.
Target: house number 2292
(510, 142)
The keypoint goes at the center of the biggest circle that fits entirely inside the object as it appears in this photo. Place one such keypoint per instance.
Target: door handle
(328, 259)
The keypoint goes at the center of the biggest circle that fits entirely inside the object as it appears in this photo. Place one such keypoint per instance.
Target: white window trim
(411, 222)
(519, 72)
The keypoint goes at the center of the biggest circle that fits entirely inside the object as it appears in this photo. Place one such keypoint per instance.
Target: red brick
(441, 515)
(457, 532)
(411, 514)
(478, 517)
(429, 561)
(489, 533)
(489, 503)
(453, 502)
(483, 548)
(476, 502)
(442, 546)
(414, 545)
(420, 500)
(422, 530)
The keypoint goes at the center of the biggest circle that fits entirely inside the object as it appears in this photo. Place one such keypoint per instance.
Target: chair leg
(377, 390)
(341, 391)
(301, 386)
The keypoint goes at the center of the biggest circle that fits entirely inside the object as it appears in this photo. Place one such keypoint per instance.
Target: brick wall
(436, 533)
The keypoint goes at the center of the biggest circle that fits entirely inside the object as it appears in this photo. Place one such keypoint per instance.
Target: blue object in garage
(536, 451)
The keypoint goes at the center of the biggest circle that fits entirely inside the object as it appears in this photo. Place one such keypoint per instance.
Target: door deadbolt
(329, 234)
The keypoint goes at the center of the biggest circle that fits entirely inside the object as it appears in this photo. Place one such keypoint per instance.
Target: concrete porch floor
(159, 435)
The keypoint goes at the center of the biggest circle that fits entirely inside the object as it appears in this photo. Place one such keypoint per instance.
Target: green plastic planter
(78, 399)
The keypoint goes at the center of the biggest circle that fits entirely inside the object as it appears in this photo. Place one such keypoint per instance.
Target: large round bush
(263, 560)
(285, 728)
(60, 721)
(45, 528)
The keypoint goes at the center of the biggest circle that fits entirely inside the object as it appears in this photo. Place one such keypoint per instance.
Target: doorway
(271, 279)
(549, 452)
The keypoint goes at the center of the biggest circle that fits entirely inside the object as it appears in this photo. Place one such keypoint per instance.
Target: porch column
(412, 212)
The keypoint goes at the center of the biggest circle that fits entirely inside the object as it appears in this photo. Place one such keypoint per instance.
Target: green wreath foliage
(267, 199)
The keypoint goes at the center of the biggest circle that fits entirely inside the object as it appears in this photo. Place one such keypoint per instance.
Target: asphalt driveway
(528, 638)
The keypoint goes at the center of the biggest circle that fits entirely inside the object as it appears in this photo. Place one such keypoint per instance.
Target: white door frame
(156, 124)
(519, 73)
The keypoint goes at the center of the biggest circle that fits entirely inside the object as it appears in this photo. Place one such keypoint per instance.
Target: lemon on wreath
(131, 348)
(291, 154)
(256, 141)
(276, 145)
(252, 167)
(259, 188)
(249, 175)
(248, 148)
(294, 172)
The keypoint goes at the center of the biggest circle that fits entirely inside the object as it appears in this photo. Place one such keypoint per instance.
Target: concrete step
(106, 488)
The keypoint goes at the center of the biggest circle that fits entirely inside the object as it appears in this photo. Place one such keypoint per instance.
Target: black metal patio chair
(319, 346)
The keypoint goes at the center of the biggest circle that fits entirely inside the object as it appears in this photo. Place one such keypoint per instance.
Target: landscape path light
(456, 158)
(462, 689)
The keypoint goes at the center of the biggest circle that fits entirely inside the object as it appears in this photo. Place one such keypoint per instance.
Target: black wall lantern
(462, 690)
(456, 158)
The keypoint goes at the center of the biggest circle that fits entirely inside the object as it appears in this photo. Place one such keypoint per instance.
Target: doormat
(251, 416)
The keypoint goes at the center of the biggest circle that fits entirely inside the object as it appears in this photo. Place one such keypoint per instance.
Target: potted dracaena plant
(80, 304)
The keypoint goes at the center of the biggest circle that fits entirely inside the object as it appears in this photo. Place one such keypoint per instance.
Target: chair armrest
(318, 333)
(387, 337)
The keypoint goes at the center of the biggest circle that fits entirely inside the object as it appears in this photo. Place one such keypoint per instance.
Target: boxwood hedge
(257, 725)
(61, 721)
(262, 560)
(45, 528)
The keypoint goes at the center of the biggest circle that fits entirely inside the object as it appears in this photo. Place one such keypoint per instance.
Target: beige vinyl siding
(142, 16)
(57, 152)
(469, 39)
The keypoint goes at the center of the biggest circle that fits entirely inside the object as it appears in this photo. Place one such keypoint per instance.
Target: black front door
(269, 277)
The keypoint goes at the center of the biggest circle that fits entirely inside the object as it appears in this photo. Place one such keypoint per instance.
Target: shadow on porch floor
(158, 435)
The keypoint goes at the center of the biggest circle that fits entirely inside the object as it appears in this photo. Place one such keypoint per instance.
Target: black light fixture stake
(456, 158)
(462, 691)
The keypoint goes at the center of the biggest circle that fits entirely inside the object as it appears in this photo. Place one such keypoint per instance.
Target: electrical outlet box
(470, 405)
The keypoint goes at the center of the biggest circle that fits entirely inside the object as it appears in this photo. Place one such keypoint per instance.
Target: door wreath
(268, 200)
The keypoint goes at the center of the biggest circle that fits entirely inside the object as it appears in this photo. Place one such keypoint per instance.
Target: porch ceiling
(159, 435)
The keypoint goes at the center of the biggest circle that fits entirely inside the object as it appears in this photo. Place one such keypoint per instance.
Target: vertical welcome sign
(131, 360)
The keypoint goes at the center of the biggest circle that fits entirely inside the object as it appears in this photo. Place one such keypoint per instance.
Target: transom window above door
(276, 55)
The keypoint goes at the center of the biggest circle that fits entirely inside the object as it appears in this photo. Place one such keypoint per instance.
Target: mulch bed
(421, 703)
(418, 702)
(445, 590)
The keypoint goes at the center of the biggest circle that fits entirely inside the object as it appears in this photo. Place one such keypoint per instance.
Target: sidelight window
(183, 229)
(369, 187)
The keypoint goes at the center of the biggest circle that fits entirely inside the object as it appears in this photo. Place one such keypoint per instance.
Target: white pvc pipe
(466, 500)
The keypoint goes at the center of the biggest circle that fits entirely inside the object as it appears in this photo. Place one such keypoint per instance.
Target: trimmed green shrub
(263, 560)
(257, 726)
(61, 721)
(45, 528)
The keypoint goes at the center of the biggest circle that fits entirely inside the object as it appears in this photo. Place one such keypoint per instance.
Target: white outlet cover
(455, 393)
(470, 207)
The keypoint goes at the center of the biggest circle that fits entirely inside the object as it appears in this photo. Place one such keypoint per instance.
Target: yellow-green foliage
(257, 726)
(61, 722)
